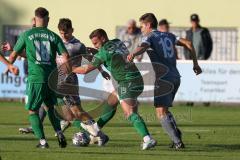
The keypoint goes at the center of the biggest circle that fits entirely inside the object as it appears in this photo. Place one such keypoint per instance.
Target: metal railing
(225, 43)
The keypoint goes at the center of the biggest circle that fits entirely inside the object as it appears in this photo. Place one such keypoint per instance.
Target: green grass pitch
(208, 132)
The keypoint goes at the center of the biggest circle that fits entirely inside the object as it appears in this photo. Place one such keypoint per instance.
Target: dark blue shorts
(165, 90)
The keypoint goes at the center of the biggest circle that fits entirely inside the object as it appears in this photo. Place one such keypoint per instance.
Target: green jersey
(41, 47)
(113, 54)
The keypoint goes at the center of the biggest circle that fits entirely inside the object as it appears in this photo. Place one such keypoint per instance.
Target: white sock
(43, 141)
(96, 127)
(147, 138)
(93, 129)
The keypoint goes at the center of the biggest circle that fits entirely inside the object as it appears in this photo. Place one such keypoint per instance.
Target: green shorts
(39, 93)
(130, 89)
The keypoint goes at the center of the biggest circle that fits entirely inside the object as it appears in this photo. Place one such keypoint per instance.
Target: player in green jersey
(113, 54)
(41, 47)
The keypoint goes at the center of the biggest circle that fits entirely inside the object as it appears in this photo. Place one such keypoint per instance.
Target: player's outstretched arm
(13, 56)
(84, 69)
(104, 73)
(13, 69)
(89, 57)
(187, 44)
(91, 50)
(6, 46)
(4, 60)
(138, 51)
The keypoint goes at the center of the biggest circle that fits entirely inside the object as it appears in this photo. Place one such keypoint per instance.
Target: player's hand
(92, 50)
(6, 47)
(13, 69)
(130, 57)
(106, 75)
(197, 69)
(139, 59)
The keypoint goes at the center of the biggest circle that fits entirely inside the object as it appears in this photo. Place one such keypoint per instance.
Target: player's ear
(103, 39)
(48, 18)
(72, 30)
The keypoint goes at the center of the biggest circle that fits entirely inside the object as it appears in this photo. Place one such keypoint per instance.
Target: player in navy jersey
(160, 48)
(76, 51)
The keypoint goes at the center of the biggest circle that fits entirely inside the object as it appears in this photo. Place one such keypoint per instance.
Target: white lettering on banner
(219, 82)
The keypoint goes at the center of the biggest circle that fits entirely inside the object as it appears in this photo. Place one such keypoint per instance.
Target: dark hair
(163, 22)
(64, 24)
(194, 17)
(98, 33)
(41, 12)
(149, 18)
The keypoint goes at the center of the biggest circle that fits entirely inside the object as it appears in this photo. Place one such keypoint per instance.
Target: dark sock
(53, 119)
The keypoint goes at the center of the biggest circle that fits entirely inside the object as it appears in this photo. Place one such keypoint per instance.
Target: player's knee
(113, 99)
(161, 112)
(68, 115)
(32, 112)
(127, 114)
(83, 116)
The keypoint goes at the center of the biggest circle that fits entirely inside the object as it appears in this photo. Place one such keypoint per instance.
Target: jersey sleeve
(21, 44)
(176, 39)
(83, 50)
(60, 46)
(99, 58)
(146, 40)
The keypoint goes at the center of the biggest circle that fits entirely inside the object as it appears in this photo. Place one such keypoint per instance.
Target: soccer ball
(80, 139)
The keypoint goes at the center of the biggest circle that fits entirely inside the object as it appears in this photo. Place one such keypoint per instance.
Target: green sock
(77, 124)
(138, 124)
(53, 119)
(36, 126)
(108, 112)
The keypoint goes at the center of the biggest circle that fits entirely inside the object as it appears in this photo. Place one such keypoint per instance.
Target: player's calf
(130, 111)
(169, 125)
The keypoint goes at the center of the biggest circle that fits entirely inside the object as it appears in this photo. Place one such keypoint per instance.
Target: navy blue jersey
(75, 49)
(162, 51)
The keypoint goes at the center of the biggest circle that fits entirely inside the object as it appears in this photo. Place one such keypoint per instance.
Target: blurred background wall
(91, 14)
